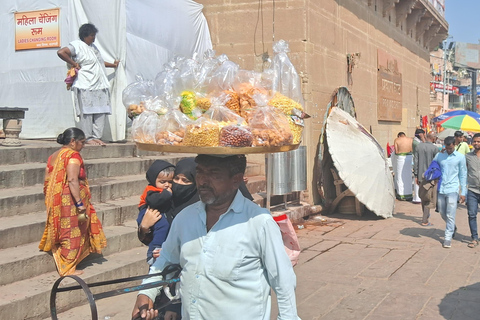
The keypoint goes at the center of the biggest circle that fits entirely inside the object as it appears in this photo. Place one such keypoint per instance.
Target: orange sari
(69, 241)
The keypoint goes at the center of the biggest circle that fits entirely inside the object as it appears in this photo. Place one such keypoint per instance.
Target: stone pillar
(12, 129)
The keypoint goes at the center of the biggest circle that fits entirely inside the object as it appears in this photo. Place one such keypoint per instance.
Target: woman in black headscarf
(184, 188)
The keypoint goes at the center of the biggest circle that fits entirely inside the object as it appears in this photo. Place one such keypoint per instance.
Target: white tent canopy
(142, 34)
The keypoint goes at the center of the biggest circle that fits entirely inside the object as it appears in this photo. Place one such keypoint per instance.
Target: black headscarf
(183, 195)
(154, 170)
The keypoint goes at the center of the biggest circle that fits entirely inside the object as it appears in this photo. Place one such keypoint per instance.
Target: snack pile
(213, 103)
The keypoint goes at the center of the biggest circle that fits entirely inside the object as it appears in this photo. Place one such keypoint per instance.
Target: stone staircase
(116, 176)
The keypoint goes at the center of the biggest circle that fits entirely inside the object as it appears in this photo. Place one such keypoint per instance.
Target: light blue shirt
(227, 273)
(454, 172)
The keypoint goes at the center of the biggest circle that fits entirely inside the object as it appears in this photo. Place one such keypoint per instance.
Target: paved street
(367, 268)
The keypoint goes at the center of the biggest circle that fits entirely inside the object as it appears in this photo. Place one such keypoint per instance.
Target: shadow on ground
(366, 216)
(90, 260)
(461, 304)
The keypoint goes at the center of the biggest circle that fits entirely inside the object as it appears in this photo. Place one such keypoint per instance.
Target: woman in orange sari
(72, 230)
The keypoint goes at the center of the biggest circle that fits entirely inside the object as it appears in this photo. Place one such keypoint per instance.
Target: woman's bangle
(79, 204)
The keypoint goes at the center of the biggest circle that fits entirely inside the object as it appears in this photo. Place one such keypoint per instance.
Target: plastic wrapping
(294, 111)
(188, 105)
(208, 66)
(171, 128)
(219, 112)
(246, 85)
(186, 78)
(144, 127)
(135, 95)
(235, 136)
(224, 76)
(286, 80)
(202, 133)
(165, 80)
(289, 237)
(269, 125)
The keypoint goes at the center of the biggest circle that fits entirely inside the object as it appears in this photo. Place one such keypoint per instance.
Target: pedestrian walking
(473, 193)
(454, 179)
(424, 154)
(460, 145)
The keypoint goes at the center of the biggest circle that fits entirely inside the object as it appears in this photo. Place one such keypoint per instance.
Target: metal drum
(281, 181)
(298, 169)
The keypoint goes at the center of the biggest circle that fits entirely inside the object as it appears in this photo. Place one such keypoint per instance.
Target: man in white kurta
(229, 265)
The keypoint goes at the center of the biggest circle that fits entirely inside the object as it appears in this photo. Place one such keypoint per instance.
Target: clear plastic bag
(171, 128)
(188, 104)
(269, 125)
(144, 127)
(135, 95)
(224, 76)
(235, 136)
(220, 113)
(246, 85)
(207, 67)
(165, 80)
(186, 78)
(294, 111)
(286, 80)
(202, 133)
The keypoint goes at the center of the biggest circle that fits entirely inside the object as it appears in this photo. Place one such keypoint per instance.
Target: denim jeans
(472, 207)
(447, 205)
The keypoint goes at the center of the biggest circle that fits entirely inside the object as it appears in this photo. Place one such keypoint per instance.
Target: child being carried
(156, 199)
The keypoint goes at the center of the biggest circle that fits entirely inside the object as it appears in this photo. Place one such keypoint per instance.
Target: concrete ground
(369, 268)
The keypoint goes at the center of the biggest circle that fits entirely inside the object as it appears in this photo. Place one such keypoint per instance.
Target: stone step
(22, 229)
(16, 201)
(30, 298)
(40, 150)
(29, 174)
(24, 200)
(26, 261)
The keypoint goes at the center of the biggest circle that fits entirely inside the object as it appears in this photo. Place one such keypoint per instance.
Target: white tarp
(143, 35)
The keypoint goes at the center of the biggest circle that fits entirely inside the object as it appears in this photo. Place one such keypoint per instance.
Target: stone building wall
(321, 34)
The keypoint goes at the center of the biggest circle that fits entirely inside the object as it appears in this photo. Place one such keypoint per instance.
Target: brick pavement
(368, 268)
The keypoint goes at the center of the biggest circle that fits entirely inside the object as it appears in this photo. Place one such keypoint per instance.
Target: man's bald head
(431, 137)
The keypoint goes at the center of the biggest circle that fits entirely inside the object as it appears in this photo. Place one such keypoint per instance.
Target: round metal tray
(214, 150)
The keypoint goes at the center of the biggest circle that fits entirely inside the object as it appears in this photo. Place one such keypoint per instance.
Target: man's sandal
(473, 244)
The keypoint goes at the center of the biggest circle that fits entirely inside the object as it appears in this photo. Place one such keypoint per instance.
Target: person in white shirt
(230, 250)
(91, 86)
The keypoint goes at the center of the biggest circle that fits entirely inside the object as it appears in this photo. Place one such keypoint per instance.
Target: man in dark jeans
(473, 193)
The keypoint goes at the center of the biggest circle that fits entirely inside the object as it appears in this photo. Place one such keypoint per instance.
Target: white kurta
(91, 87)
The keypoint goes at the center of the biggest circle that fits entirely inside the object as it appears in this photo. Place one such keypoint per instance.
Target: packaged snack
(235, 136)
(248, 83)
(135, 95)
(220, 113)
(204, 104)
(269, 125)
(188, 105)
(144, 127)
(171, 128)
(294, 111)
(202, 133)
